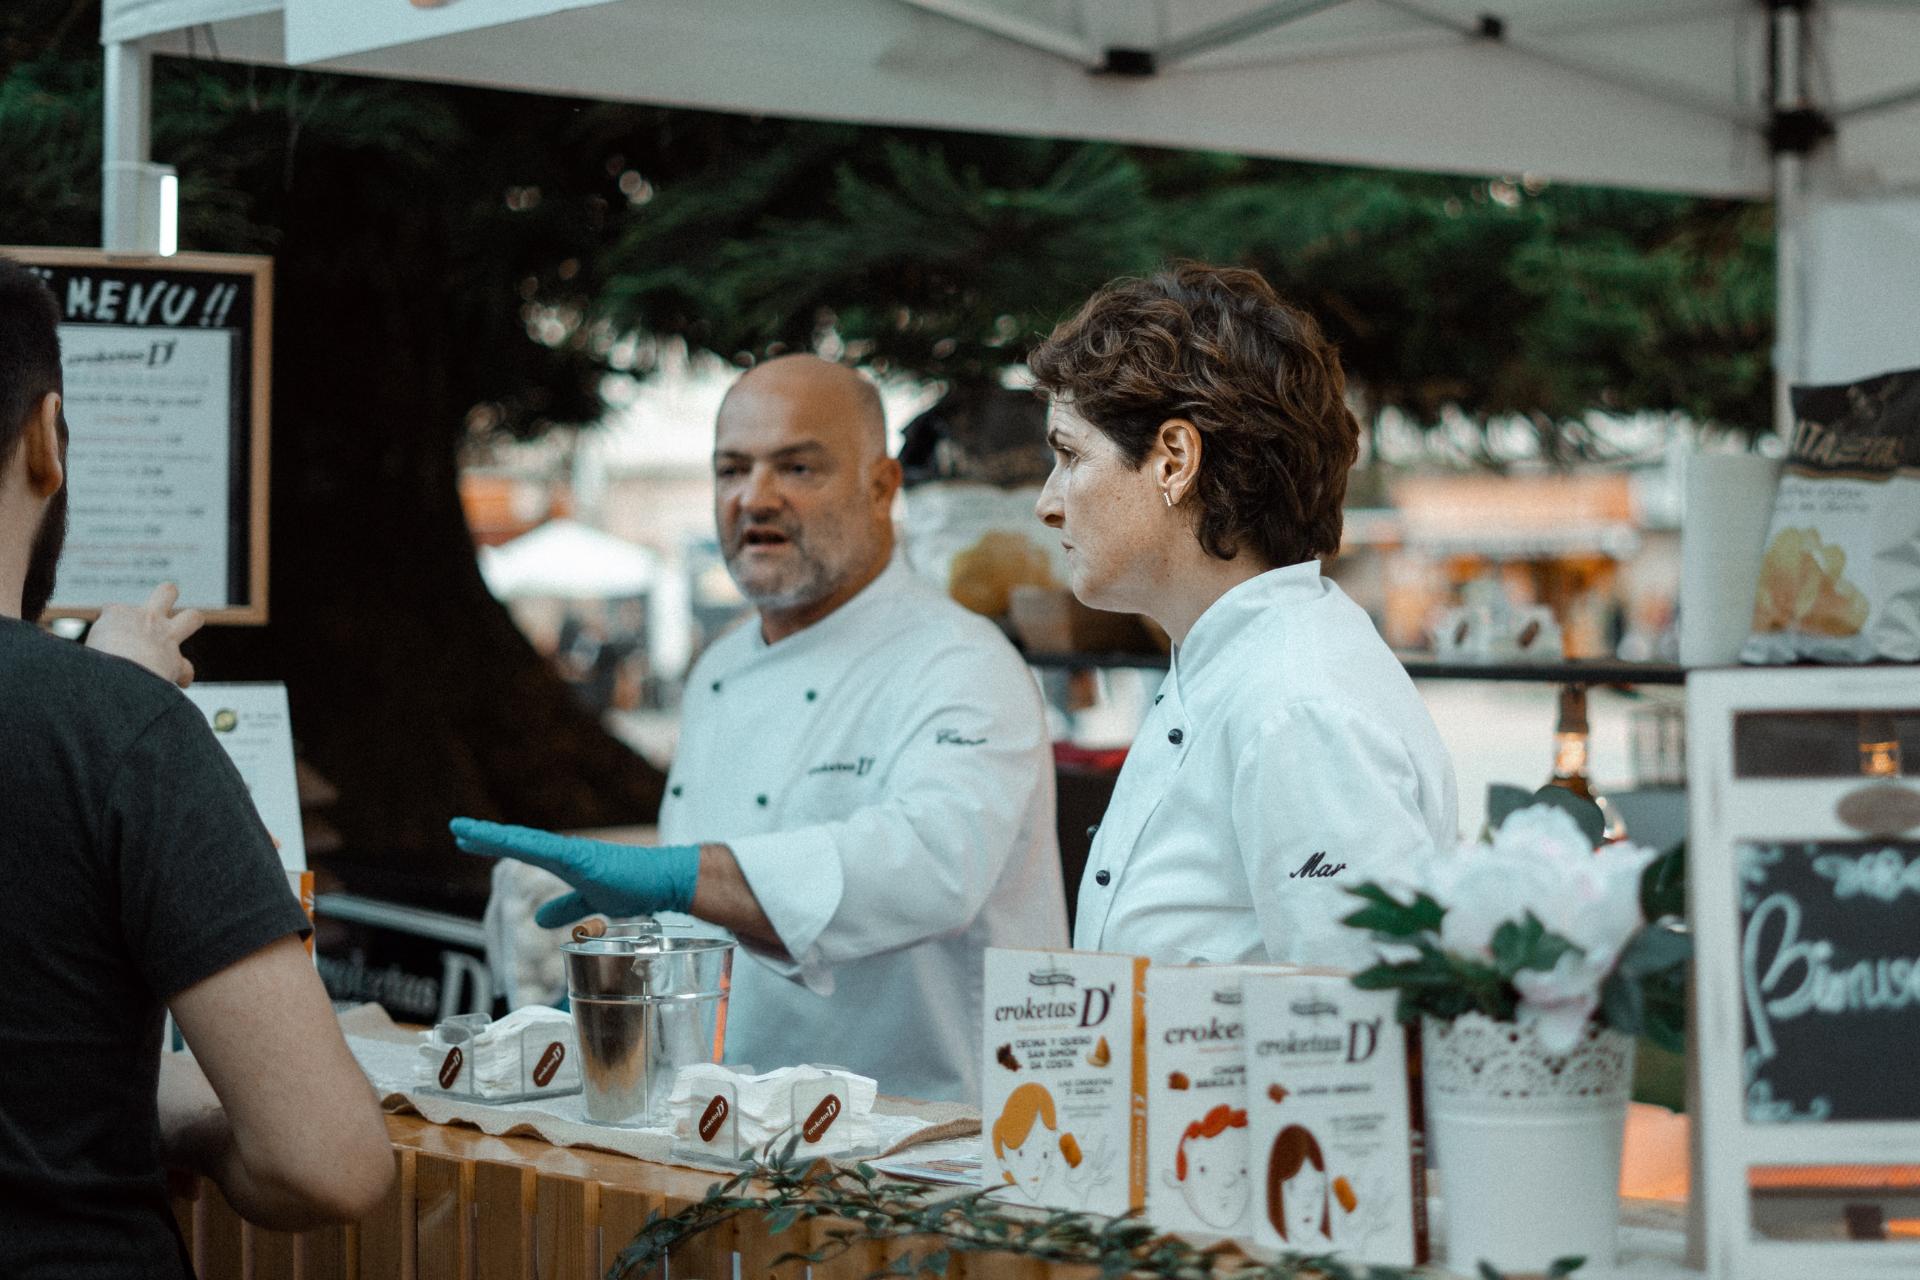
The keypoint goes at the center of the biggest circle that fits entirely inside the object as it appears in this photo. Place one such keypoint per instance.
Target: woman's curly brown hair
(1218, 347)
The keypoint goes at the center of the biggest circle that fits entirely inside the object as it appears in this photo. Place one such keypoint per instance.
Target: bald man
(863, 791)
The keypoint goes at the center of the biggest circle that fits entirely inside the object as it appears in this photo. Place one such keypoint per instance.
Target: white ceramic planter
(1527, 1142)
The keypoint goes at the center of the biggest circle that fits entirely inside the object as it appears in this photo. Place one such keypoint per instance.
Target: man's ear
(46, 469)
(886, 479)
(1179, 461)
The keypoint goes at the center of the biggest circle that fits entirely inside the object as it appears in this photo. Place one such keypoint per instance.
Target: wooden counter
(471, 1206)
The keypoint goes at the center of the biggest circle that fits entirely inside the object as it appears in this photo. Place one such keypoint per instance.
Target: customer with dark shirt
(135, 875)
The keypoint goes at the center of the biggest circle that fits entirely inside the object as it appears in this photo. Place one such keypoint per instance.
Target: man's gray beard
(816, 582)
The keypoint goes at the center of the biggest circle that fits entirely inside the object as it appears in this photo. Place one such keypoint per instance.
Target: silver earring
(1168, 495)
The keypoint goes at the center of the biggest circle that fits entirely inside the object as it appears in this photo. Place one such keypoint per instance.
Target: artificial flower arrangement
(1536, 926)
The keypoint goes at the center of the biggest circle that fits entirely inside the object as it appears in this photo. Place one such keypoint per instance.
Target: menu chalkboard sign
(166, 363)
(1803, 896)
(1830, 971)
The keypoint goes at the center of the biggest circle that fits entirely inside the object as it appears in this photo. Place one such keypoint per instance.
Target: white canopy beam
(1879, 102)
(1234, 30)
(1494, 30)
(1034, 35)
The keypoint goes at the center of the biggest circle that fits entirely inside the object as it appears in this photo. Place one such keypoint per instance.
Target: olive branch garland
(790, 1191)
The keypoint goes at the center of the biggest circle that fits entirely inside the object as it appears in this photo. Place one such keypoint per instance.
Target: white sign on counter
(252, 723)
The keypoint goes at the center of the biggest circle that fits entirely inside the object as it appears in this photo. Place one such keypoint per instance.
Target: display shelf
(1424, 666)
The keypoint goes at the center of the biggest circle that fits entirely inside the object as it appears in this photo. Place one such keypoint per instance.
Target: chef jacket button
(716, 686)
(1174, 736)
(812, 694)
(1090, 830)
(760, 800)
(675, 789)
(1102, 878)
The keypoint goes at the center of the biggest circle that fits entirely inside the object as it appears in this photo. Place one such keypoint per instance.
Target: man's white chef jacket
(1285, 753)
(885, 780)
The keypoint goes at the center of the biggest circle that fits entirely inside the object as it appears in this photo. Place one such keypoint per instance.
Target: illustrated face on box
(1297, 1202)
(1210, 1166)
(1028, 1144)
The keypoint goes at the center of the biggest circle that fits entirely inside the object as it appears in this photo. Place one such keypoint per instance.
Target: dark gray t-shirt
(132, 865)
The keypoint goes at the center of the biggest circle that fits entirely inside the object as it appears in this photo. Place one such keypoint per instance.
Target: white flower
(1560, 1001)
(1540, 863)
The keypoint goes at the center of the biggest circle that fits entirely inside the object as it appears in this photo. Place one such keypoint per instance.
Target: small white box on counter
(1197, 1154)
(1337, 1162)
(1063, 1094)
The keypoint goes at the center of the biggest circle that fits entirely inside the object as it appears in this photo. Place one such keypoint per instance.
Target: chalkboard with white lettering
(1830, 979)
(166, 368)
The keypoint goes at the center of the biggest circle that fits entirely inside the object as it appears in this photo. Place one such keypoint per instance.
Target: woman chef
(1201, 446)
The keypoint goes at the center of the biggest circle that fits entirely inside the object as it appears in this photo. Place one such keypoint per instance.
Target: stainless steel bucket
(647, 1000)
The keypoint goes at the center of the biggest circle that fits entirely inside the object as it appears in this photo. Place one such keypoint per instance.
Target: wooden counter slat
(385, 1243)
(861, 1260)
(442, 1217)
(502, 1213)
(707, 1256)
(758, 1249)
(323, 1256)
(562, 1246)
(466, 1206)
(220, 1249)
(623, 1211)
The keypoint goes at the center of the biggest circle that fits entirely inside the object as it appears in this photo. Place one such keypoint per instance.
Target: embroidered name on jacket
(858, 768)
(954, 738)
(1317, 868)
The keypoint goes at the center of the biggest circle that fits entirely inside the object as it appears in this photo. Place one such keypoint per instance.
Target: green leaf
(1503, 801)
(1488, 1272)
(1565, 1266)
(1593, 823)
(1622, 1006)
(1663, 885)
(1655, 949)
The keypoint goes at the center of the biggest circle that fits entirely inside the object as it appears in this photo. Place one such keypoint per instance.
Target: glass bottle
(1570, 749)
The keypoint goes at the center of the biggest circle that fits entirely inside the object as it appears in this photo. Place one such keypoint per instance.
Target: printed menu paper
(1063, 1101)
(1336, 1164)
(149, 411)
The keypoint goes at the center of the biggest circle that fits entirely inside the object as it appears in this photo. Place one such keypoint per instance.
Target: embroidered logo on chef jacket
(1317, 868)
(858, 768)
(954, 738)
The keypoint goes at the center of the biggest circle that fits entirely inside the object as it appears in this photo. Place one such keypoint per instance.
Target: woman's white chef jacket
(885, 780)
(1286, 752)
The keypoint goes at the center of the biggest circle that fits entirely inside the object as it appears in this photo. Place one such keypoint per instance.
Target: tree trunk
(411, 689)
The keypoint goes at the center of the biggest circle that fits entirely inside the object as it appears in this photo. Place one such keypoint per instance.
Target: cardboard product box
(1337, 1159)
(1063, 1094)
(1197, 1154)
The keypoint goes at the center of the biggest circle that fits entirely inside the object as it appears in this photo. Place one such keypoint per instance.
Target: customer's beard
(43, 558)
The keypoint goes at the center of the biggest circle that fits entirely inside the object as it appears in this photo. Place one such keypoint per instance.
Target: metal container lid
(651, 963)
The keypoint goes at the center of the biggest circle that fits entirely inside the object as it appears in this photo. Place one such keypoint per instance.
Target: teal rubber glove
(608, 879)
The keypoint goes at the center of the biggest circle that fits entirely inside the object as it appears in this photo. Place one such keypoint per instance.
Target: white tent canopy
(1677, 95)
(568, 560)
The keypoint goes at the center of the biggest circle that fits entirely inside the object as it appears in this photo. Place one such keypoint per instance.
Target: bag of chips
(1840, 580)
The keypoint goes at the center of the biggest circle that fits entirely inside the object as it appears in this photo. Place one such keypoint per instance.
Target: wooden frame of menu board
(168, 364)
(1804, 899)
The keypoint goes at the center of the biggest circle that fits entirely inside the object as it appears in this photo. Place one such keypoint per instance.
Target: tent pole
(1788, 82)
(1789, 298)
(125, 105)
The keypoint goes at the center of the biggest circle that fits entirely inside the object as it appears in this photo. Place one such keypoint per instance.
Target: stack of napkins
(529, 1053)
(763, 1105)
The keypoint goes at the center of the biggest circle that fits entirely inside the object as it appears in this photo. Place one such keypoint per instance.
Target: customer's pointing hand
(611, 879)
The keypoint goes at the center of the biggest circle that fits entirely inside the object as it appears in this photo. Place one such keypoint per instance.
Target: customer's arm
(282, 1119)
